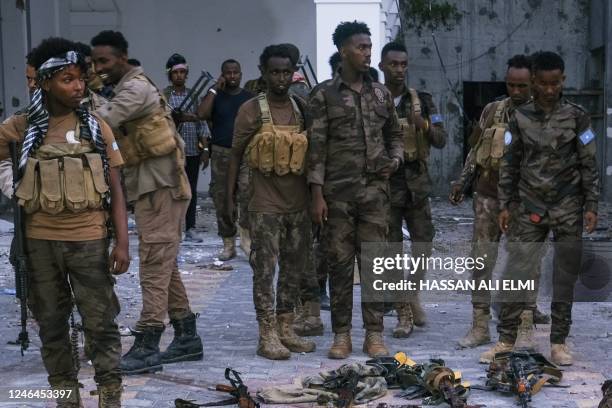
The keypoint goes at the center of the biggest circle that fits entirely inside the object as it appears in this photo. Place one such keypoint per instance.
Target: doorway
(476, 95)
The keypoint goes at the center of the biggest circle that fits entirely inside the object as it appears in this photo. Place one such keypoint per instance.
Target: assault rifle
(237, 389)
(522, 373)
(305, 66)
(523, 386)
(192, 97)
(432, 381)
(18, 257)
(345, 386)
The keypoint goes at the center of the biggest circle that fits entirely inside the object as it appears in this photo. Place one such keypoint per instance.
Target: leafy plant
(429, 14)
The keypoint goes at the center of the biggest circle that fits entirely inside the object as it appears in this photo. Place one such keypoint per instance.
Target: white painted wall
(329, 13)
(205, 32)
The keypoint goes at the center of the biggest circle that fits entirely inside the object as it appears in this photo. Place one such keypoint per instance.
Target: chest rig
(490, 147)
(63, 177)
(416, 144)
(275, 148)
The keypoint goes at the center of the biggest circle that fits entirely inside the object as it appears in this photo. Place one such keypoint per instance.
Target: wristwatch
(212, 91)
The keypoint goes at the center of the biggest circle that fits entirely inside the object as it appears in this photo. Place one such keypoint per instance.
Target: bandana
(179, 66)
(55, 64)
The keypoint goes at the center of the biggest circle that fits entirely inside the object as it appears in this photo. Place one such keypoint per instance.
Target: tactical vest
(416, 144)
(63, 176)
(278, 149)
(149, 136)
(490, 147)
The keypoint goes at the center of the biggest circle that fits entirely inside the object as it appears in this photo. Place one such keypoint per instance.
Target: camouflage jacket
(484, 184)
(352, 136)
(411, 182)
(550, 160)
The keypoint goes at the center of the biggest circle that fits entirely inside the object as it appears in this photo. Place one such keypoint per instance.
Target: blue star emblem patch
(507, 138)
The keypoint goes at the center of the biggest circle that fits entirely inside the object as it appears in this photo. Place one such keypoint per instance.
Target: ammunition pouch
(63, 177)
(149, 136)
(491, 145)
(416, 144)
(490, 148)
(278, 149)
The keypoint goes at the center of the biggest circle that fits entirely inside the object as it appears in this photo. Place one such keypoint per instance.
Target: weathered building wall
(489, 33)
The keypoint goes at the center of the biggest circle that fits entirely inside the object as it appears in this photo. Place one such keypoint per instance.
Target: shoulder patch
(436, 118)
(379, 94)
(587, 136)
(507, 138)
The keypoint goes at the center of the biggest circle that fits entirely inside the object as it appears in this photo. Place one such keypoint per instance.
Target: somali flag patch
(437, 118)
(507, 138)
(587, 136)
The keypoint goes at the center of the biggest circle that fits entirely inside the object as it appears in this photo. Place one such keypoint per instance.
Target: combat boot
(418, 314)
(71, 397)
(405, 321)
(500, 347)
(560, 355)
(524, 336)
(109, 395)
(288, 337)
(186, 344)
(144, 356)
(479, 333)
(270, 345)
(245, 241)
(229, 249)
(342, 346)
(309, 322)
(540, 317)
(374, 345)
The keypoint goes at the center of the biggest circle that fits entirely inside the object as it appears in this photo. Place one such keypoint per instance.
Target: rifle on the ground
(345, 386)
(237, 389)
(18, 256)
(522, 373)
(432, 381)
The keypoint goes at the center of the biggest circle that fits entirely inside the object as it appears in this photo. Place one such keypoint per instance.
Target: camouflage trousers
(60, 270)
(219, 165)
(420, 226)
(159, 218)
(485, 244)
(525, 245)
(311, 289)
(349, 224)
(283, 239)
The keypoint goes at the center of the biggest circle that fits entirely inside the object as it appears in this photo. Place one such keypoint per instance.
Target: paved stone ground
(227, 325)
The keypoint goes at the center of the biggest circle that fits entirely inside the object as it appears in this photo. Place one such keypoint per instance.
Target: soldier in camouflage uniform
(482, 169)
(280, 225)
(411, 185)
(355, 146)
(67, 240)
(549, 169)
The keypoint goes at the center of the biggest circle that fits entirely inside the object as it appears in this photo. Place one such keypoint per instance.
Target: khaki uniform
(279, 222)
(549, 169)
(352, 137)
(157, 186)
(67, 254)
